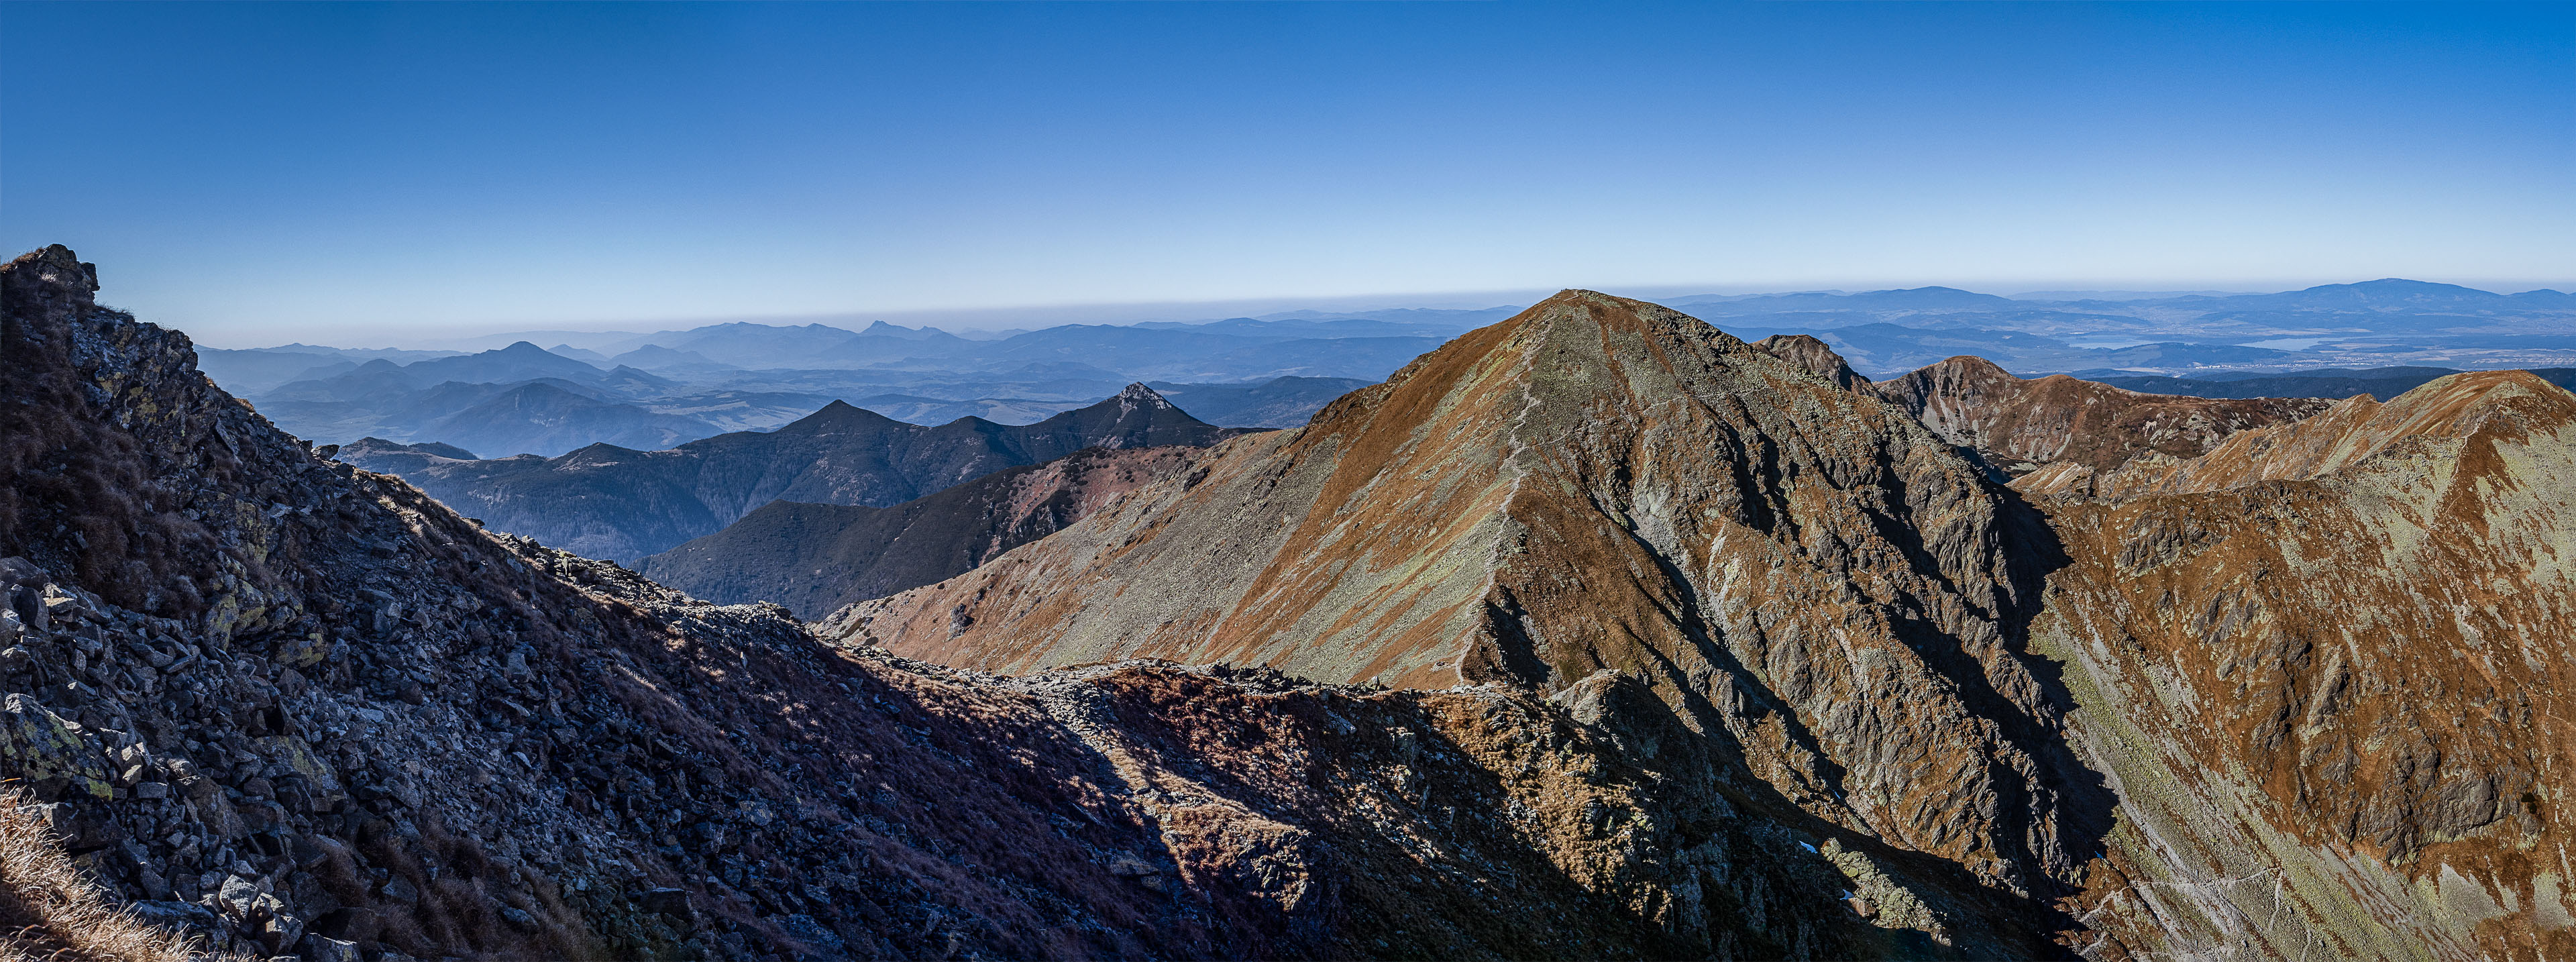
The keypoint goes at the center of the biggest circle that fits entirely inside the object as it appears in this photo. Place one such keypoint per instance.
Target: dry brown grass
(48, 911)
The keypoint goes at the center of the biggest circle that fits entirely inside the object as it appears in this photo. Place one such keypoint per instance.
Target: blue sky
(256, 172)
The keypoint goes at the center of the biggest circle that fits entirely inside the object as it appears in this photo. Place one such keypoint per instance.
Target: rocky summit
(2205, 678)
(1598, 633)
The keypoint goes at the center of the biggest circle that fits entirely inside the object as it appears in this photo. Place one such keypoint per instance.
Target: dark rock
(400, 889)
(322, 948)
(675, 903)
(349, 923)
(176, 915)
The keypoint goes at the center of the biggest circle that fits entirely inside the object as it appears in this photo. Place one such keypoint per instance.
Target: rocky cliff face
(605, 501)
(817, 558)
(293, 707)
(2279, 679)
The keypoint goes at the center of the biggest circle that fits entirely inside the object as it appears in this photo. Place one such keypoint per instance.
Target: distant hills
(649, 390)
(2379, 383)
(2370, 324)
(618, 503)
(656, 391)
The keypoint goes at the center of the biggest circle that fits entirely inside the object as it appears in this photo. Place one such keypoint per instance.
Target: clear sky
(345, 171)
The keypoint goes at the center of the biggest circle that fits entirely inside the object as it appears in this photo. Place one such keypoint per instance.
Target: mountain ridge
(622, 504)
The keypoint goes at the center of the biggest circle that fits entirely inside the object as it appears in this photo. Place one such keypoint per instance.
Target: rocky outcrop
(2072, 428)
(605, 501)
(291, 707)
(817, 558)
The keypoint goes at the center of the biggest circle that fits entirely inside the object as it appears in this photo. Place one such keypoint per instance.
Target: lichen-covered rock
(47, 754)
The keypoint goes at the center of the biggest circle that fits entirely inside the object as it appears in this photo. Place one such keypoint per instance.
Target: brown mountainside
(1815, 355)
(2304, 704)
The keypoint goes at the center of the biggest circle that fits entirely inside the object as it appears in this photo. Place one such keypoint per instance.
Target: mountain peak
(1138, 393)
(839, 415)
(1815, 355)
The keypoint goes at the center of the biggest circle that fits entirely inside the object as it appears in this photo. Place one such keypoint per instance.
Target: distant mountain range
(656, 390)
(2382, 384)
(606, 501)
(2369, 324)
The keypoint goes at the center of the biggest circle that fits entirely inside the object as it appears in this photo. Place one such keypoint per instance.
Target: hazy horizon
(269, 172)
(1032, 317)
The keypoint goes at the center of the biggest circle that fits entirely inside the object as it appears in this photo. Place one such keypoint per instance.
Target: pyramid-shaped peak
(1138, 393)
(838, 414)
